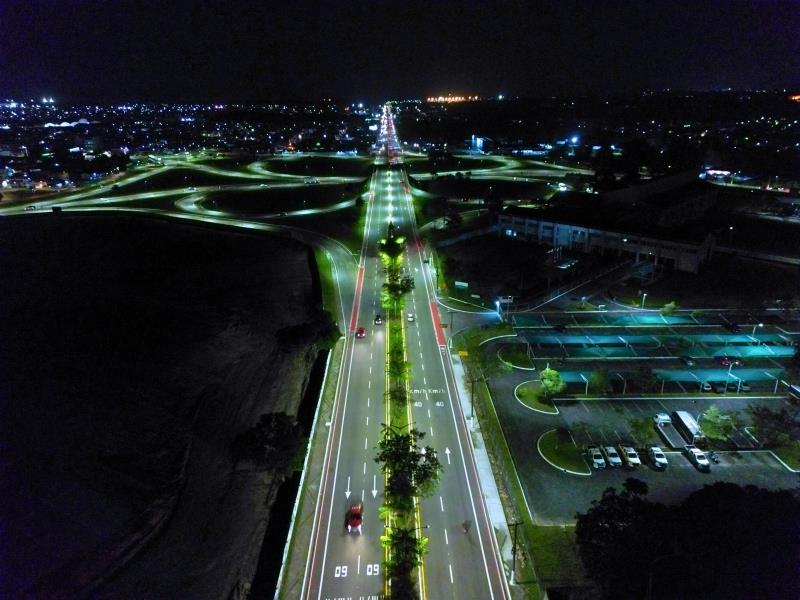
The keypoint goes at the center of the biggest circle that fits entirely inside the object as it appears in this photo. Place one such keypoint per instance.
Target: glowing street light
(752, 335)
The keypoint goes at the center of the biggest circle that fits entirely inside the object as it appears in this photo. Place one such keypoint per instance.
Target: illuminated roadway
(340, 565)
(458, 565)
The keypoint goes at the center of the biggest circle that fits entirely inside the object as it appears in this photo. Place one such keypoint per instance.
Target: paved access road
(341, 565)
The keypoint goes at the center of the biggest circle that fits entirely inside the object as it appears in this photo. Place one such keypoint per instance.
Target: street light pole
(644, 295)
(753, 335)
(514, 552)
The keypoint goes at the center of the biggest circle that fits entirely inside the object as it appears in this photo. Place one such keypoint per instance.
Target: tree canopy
(552, 383)
(724, 540)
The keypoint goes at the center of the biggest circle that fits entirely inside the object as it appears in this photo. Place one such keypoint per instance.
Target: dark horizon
(241, 52)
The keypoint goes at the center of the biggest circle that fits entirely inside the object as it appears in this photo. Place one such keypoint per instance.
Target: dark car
(719, 387)
(560, 328)
(732, 327)
(354, 518)
(378, 319)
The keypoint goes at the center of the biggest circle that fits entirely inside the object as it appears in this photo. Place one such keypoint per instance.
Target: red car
(354, 518)
(361, 332)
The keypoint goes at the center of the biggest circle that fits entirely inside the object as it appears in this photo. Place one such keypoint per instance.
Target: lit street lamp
(644, 295)
(752, 335)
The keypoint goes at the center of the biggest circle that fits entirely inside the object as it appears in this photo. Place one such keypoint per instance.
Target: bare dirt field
(131, 353)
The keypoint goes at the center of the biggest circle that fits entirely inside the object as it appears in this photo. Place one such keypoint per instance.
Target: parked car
(630, 455)
(723, 360)
(354, 518)
(698, 458)
(719, 387)
(687, 360)
(732, 327)
(705, 386)
(744, 387)
(598, 462)
(733, 386)
(612, 457)
(657, 457)
(361, 332)
(560, 328)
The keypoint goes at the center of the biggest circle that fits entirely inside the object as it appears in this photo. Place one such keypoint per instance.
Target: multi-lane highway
(459, 564)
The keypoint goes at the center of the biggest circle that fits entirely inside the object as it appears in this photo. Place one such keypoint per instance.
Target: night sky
(208, 50)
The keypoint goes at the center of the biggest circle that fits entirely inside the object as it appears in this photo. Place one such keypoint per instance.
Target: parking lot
(655, 364)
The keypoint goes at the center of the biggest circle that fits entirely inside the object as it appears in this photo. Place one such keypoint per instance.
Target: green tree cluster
(411, 470)
(552, 383)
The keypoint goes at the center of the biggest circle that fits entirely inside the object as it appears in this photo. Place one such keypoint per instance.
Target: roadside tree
(552, 383)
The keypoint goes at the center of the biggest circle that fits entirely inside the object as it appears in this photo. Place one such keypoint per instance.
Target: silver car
(612, 457)
(598, 462)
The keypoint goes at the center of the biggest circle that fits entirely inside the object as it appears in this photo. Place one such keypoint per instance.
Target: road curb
(530, 407)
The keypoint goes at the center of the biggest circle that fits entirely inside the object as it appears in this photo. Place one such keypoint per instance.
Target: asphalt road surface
(458, 565)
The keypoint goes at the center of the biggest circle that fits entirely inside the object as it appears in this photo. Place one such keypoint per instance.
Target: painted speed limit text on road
(427, 391)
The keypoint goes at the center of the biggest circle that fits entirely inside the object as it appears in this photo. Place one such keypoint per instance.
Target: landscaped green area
(790, 454)
(557, 447)
(326, 282)
(555, 555)
(516, 355)
(454, 163)
(531, 395)
(321, 166)
(178, 178)
(271, 200)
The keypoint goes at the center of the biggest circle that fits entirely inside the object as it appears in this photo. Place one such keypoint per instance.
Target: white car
(598, 462)
(698, 459)
(410, 317)
(631, 457)
(612, 457)
(658, 458)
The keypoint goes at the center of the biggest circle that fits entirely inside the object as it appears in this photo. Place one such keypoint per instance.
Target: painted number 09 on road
(341, 570)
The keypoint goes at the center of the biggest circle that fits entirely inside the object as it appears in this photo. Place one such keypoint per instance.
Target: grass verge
(555, 553)
(510, 489)
(516, 355)
(326, 282)
(557, 447)
(529, 393)
(790, 454)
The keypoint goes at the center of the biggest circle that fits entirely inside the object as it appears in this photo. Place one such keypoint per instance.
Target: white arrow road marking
(374, 490)
(347, 491)
(447, 452)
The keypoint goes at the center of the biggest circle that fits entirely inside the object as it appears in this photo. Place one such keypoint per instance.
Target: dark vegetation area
(729, 281)
(272, 200)
(493, 266)
(722, 541)
(322, 166)
(134, 352)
